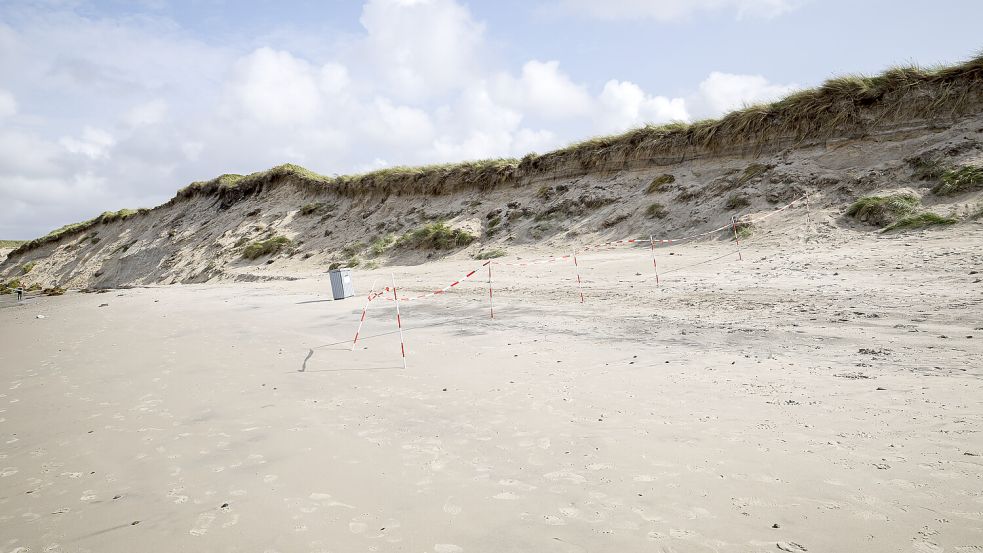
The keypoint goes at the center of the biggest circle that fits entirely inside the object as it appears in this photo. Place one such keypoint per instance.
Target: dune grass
(491, 254)
(27, 267)
(883, 210)
(656, 210)
(737, 201)
(745, 229)
(844, 106)
(381, 244)
(436, 236)
(959, 180)
(5, 244)
(752, 171)
(76, 228)
(266, 247)
(921, 220)
(311, 208)
(660, 183)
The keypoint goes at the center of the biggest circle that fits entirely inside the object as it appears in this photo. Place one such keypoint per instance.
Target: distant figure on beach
(20, 293)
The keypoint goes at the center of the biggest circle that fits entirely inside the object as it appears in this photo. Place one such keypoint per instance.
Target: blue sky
(105, 105)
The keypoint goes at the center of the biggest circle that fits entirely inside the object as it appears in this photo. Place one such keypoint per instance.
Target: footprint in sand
(790, 546)
(204, 522)
(569, 512)
(357, 527)
(565, 476)
(8, 471)
(233, 520)
(553, 520)
(447, 548)
(505, 495)
(926, 547)
(450, 508)
(270, 478)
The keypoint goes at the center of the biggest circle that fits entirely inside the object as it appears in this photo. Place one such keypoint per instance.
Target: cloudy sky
(114, 104)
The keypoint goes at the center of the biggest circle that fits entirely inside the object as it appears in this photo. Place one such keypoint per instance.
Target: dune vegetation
(921, 220)
(883, 210)
(844, 106)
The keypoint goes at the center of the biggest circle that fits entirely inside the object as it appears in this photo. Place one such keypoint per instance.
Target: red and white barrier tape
(399, 323)
(435, 292)
(550, 259)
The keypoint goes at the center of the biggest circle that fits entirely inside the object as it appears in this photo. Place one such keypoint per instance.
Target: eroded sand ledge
(827, 385)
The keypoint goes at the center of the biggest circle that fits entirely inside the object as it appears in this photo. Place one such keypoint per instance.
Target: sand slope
(201, 238)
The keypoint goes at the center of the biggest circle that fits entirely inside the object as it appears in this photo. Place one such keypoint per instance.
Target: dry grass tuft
(491, 254)
(737, 201)
(381, 244)
(656, 211)
(883, 210)
(436, 236)
(752, 171)
(270, 246)
(921, 220)
(959, 180)
(660, 183)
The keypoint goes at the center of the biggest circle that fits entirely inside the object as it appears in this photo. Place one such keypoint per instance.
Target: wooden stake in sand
(399, 322)
(733, 224)
(655, 265)
(580, 286)
(491, 302)
(364, 310)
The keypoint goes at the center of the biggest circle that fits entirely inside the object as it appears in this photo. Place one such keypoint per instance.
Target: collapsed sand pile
(842, 142)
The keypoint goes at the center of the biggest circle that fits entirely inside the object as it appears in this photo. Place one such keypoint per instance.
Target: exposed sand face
(808, 387)
(202, 239)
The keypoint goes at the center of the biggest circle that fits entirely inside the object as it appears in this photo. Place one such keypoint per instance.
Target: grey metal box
(341, 283)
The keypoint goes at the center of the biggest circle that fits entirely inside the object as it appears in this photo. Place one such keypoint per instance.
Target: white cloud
(94, 143)
(400, 125)
(114, 98)
(671, 10)
(8, 104)
(624, 105)
(274, 87)
(422, 47)
(146, 114)
(723, 92)
(543, 89)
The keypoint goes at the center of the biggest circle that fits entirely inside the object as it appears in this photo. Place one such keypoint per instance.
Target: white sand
(828, 386)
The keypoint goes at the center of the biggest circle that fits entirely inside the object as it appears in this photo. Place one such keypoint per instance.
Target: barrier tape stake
(655, 265)
(491, 301)
(364, 309)
(733, 222)
(399, 322)
(580, 287)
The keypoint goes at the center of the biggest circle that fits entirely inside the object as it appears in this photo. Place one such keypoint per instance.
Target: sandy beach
(819, 395)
